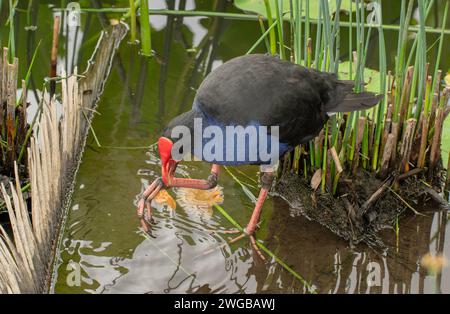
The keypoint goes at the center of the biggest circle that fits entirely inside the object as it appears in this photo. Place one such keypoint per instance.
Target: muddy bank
(364, 205)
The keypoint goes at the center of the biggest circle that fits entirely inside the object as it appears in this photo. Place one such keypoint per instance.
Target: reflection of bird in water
(199, 202)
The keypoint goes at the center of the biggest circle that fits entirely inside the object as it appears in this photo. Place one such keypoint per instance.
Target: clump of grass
(404, 130)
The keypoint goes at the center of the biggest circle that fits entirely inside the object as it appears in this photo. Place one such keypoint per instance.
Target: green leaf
(371, 77)
(445, 142)
(257, 6)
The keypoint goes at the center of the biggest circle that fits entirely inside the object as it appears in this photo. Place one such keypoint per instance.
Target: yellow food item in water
(163, 197)
(433, 263)
(447, 79)
(200, 202)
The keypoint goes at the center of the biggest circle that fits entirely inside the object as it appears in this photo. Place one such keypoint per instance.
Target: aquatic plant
(404, 131)
(146, 39)
(27, 252)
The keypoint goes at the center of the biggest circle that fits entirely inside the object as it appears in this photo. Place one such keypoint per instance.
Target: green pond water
(101, 240)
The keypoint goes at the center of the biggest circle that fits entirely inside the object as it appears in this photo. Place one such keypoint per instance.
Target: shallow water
(101, 236)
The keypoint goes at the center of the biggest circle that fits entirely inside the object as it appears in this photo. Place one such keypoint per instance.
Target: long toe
(241, 236)
(148, 213)
(256, 248)
(226, 231)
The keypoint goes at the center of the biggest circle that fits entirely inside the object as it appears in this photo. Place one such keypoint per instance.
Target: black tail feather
(356, 101)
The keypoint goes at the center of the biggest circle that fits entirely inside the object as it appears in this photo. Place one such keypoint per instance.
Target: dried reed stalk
(387, 155)
(435, 150)
(405, 148)
(53, 157)
(54, 53)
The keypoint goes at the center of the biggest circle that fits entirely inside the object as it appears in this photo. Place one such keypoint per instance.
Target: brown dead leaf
(316, 179)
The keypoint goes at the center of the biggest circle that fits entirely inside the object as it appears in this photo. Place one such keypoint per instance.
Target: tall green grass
(412, 95)
(146, 40)
(132, 11)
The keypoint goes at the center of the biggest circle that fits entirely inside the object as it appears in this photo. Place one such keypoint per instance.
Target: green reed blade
(272, 37)
(441, 43)
(126, 11)
(408, 63)
(421, 59)
(132, 11)
(260, 39)
(350, 41)
(298, 31)
(279, 15)
(365, 146)
(11, 39)
(263, 31)
(28, 75)
(312, 154)
(381, 106)
(318, 37)
(327, 42)
(324, 160)
(146, 39)
(336, 35)
(405, 18)
(307, 35)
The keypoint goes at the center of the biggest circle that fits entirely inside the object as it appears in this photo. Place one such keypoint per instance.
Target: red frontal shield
(167, 163)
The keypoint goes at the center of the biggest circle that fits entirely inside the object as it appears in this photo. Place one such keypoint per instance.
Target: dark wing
(267, 90)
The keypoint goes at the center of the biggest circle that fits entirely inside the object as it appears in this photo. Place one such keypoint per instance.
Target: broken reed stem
(318, 142)
(54, 54)
(13, 120)
(387, 155)
(359, 139)
(395, 131)
(423, 144)
(338, 168)
(447, 181)
(406, 92)
(22, 121)
(436, 142)
(434, 105)
(405, 148)
(11, 92)
(387, 127)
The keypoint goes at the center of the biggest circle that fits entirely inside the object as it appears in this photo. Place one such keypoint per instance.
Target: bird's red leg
(199, 184)
(266, 184)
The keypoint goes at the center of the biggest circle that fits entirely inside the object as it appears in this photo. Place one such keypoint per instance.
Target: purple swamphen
(255, 90)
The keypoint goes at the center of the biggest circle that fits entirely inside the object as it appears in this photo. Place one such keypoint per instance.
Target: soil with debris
(351, 215)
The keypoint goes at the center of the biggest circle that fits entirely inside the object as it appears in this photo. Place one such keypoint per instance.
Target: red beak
(168, 164)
